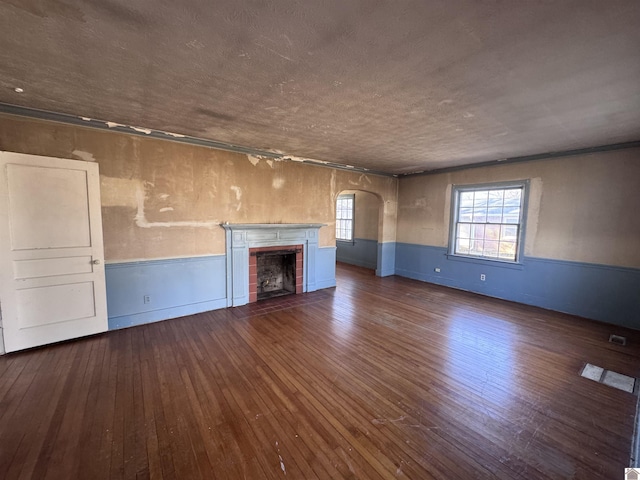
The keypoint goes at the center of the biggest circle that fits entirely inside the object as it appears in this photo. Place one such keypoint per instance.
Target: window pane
(492, 232)
(512, 197)
(511, 216)
(464, 230)
(477, 247)
(494, 215)
(477, 231)
(490, 248)
(465, 215)
(509, 232)
(479, 214)
(462, 245)
(507, 250)
(480, 198)
(496, 198)
(466, 199)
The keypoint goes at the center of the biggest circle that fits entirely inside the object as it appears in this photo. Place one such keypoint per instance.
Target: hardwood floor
(379, 378)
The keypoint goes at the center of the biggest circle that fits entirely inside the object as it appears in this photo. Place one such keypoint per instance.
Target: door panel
(53, 215)
(52, 285)
(48, 267)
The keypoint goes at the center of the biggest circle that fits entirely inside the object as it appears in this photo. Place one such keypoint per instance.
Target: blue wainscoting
(380, 257)
(175, 287)
(362, 252)
(386, 259)
(600, 292)
(326, 267)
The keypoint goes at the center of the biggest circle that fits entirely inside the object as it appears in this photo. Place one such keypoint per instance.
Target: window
(344, 217)
(488, 221)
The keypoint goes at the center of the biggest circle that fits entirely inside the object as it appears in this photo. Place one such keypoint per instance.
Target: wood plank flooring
(380, 378)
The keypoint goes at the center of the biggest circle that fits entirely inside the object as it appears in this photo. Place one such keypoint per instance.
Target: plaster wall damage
(582, 208)
(163, 199)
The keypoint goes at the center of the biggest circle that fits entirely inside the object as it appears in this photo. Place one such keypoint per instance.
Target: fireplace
(275, 271)
(245, 241)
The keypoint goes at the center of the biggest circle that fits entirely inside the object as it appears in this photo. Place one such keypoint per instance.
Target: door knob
(95, 262)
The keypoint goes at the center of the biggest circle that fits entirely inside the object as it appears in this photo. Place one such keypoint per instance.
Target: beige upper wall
(163, 199)
(582, 208)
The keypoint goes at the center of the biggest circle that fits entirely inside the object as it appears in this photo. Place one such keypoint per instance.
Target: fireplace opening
(276, 273)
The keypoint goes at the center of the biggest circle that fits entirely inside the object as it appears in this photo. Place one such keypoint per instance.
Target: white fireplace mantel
(240, 237)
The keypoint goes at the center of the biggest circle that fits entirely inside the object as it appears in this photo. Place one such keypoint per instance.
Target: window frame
(456, 190)
(351, 196)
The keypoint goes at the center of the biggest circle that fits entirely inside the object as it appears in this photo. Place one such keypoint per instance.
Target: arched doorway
(358, 232)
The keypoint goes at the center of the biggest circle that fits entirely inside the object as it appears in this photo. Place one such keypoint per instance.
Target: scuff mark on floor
(284, 470)
(383, 421)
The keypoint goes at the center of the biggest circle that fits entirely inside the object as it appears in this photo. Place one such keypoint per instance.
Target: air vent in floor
(618, 340)
(612, 379)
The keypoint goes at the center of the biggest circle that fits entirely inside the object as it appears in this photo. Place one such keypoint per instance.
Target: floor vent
(618, 340)
(607, 377)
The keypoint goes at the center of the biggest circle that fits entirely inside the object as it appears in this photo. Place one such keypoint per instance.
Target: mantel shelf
(270, 226)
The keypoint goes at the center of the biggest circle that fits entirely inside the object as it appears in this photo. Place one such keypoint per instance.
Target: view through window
(488, 221)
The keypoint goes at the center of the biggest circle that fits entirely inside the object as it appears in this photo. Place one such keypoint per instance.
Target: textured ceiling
(394, 86)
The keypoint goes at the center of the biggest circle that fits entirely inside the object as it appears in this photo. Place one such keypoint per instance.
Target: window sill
(486, 261)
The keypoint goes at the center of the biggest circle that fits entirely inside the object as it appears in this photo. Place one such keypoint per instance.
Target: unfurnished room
(362, 239)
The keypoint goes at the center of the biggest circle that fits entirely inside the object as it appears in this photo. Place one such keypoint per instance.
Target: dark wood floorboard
(379, 378)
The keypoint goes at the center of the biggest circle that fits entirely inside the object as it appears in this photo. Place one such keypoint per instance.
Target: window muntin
(344, 217)
(488, 221)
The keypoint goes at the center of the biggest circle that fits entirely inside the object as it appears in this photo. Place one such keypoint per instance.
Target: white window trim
(453, 221)
(353, 217)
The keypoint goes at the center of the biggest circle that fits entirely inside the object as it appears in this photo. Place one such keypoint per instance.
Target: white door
(52, 285)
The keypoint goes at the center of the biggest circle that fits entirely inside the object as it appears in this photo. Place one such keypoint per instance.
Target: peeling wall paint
(166, 199)
(278, 183)
(86, 156)
(238, 192)
(142, 222)
(141, 130)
